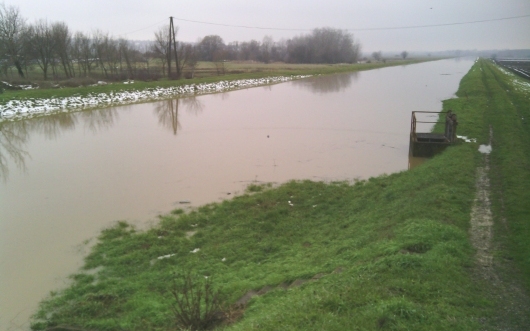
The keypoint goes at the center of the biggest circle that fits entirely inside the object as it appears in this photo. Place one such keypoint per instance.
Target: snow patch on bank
(485, 149)
(27, 108)
(521, 85)
(467, 140)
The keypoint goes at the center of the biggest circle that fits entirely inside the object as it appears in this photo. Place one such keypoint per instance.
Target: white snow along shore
(27, 108)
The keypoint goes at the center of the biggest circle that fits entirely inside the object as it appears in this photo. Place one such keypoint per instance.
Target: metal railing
(413, 120)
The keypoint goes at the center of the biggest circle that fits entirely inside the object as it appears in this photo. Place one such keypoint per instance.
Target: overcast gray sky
(138, 19)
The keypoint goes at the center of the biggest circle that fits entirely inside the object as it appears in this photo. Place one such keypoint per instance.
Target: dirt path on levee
(509, 296)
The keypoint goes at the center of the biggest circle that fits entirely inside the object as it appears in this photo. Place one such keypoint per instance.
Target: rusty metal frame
(413, 120)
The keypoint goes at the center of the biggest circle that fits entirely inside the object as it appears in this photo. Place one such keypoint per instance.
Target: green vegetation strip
(234, 71)
(508, 111)
(388, 253)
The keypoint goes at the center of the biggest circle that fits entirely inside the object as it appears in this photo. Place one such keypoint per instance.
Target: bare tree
(41, 45)
(127, 53)
(377, 56)
(209, 47)
(84, 53)
(250, 51)
(161, 46)
(107, 53)
(12, 27)
(232, 50)
(404, 54)
(112, 56)
(189, 59)
(279, 50)
(99, 40)
(62, 45)
(266, 49)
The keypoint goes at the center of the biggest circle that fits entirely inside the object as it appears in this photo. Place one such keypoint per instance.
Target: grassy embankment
(508, 111)
(206, 74)
(389, 253)
(500, 99)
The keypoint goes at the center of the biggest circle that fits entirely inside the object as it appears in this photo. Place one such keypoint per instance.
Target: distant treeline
(325, 45)
(61, 54)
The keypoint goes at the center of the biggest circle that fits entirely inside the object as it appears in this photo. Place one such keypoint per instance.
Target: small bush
(253, 188)
(196, 305)
(177, 211)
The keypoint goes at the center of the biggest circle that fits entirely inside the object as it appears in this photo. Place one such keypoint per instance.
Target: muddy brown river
(66, 177)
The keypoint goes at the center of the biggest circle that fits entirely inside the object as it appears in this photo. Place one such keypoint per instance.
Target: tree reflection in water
(328, 83)
(15, 135)
(12, 142)
(168, 111)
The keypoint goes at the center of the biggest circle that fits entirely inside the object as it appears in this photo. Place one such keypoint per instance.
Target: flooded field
(66, 177)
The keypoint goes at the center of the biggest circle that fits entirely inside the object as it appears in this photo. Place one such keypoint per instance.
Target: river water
(66, 177)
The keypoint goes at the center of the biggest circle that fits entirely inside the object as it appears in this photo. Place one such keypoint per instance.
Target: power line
(354, 29)
(239, 26)
(358, 29)
(435, 25)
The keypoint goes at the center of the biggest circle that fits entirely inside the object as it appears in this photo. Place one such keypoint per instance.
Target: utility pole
(172, 40)
(170, 36)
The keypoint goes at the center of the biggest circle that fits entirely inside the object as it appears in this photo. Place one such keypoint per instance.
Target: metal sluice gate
(427, 144)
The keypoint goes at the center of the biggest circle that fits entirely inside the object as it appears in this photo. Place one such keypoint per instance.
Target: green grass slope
(389, 253)
(508, 112)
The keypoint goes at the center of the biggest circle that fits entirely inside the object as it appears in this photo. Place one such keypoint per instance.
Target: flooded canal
(66, 177)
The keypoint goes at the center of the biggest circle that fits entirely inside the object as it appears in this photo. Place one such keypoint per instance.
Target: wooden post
(450, 126)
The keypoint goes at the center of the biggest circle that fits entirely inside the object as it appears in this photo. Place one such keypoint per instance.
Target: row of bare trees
(324, 45)
(58, 52)
(378, 56)
(61, 54)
